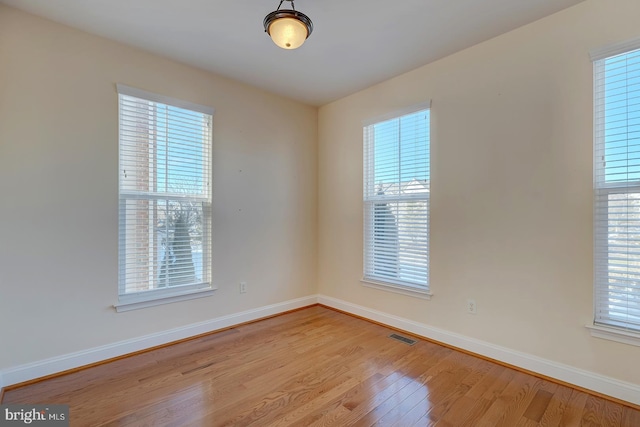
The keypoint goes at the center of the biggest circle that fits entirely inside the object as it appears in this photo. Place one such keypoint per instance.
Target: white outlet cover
(471, 306)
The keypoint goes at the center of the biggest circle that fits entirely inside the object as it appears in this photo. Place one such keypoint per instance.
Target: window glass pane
(165, 213)
(401, 153)
(617, 191)
(396, 202)
(622, 117)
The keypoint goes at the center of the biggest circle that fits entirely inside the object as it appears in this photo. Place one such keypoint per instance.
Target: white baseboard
(622, 390)
(589, 380)
(54, 365)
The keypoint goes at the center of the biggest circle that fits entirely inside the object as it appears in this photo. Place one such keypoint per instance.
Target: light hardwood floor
(315, 367)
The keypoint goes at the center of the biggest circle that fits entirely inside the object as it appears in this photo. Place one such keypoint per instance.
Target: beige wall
(511, 222)
(59, 191)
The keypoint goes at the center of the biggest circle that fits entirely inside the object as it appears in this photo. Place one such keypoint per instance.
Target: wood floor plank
(557, 405)
(613, 413)
(538, 406)
(393, 400)
(599, 412)
(572, 415)
(497, 387)
(510, 401)
(329, 418)
(444, 398)
(474, 413)
(489, 381)
(436, 384)
(440, 394)
(630, 417)
(315, 367)
(359, 408)
(293, 416)
(458, 411)
(337, 406)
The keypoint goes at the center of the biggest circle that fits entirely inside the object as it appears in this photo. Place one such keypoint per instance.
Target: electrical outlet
(471, 306)
(243, 287)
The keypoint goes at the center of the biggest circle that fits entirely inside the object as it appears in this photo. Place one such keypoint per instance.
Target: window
(164, 199)
(396, 202)
(617, 187)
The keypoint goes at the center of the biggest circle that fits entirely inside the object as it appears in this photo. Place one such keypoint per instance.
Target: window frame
(369, 202)
(152, 297)
(606, 327)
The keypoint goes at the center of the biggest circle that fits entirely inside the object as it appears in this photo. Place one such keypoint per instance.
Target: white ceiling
(355, 43)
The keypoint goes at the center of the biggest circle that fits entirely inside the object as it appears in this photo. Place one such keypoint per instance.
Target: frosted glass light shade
(288, 28)
(288, 33)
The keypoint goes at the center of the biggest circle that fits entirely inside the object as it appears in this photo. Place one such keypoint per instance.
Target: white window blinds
(396, 200)
(164, 194)
(617, 188)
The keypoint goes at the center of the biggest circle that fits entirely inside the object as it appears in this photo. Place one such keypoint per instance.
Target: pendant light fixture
(288, 28)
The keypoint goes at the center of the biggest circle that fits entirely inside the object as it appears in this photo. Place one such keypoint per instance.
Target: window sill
(135, 302)
(398, 289)
(613, 334)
